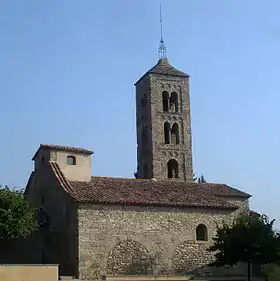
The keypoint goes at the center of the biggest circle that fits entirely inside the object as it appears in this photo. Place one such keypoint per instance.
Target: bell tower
(164, 139)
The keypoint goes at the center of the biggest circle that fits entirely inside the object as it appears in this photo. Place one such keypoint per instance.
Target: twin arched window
(170, 103)
(171, 134)
(166, 133)
(165, 101)
(175, 134)
(201, 233)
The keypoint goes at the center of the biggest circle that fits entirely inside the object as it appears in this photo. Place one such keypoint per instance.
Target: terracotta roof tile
(147, 192)
(63, 148)
(122, 191)
(224, 190)
(61, 179)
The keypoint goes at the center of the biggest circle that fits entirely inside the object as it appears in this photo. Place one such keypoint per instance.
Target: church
(158, 223)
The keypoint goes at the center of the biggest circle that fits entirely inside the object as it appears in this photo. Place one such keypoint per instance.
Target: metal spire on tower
(162, 47)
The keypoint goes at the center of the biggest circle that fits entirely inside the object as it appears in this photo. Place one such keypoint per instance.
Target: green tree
(271, 272)
(17, 216)
(250, 239)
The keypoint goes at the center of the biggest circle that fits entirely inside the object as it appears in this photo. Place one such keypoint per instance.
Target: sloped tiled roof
(224, 190)
(163, 67)
(122, 191)
(251, 212)
(63, 148)
(62, 181)
(147, 192)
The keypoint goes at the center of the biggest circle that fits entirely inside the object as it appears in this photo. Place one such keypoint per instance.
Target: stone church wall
(128, 240)
(55, 242)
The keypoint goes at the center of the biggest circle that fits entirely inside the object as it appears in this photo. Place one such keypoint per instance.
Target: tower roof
(62, 148)
(163, 67)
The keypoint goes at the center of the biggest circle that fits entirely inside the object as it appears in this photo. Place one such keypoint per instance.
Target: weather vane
(162, 47)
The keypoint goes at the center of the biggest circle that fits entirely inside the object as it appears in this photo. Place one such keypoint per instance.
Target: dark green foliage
(17, 216)
(194, 178)
(201, 179)
(250, 239)
(271, 272)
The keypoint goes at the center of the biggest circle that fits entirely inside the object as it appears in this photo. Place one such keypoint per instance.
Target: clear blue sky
(67, 70)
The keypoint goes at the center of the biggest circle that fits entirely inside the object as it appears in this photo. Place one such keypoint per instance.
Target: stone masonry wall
(152, 152)
(56, 242)
(243, 204)
(133, 239)
(181, 152)
(143, 122)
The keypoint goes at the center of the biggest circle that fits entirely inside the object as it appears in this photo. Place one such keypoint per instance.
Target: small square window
(71, 160)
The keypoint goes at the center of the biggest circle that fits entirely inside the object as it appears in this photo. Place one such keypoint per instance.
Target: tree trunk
(249, 271)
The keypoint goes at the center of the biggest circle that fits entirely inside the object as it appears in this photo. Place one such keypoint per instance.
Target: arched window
(165, 98)
(174, 102)
(166, 133)
(71, 160)
(172, 169)
(175, 134)
(201, 233)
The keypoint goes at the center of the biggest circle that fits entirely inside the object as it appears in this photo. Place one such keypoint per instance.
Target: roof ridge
(208, 184)
(70, 149)
(28, 182)
(141, 179)
(64, 183)
(63, 146)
